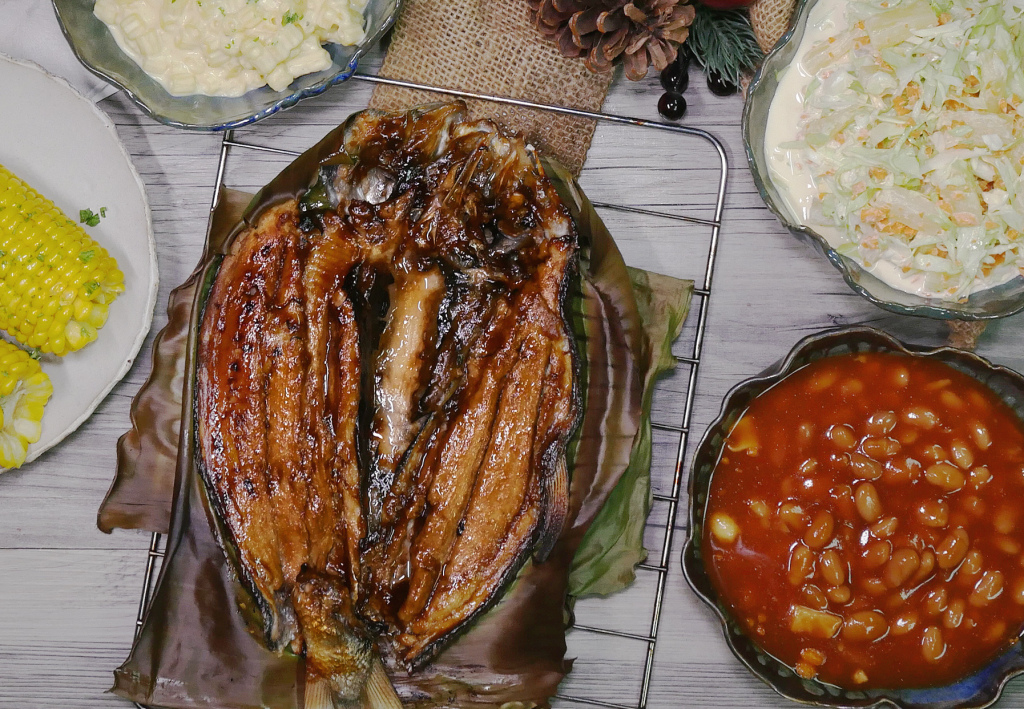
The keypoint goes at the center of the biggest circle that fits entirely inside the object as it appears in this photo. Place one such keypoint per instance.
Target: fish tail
(338, 649)
(318, 694)
(378, 692)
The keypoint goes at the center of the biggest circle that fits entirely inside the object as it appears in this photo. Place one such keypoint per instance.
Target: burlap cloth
(492, 46)
(770, 20)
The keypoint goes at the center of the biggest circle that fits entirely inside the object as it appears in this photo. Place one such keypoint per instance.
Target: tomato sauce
(865, 522)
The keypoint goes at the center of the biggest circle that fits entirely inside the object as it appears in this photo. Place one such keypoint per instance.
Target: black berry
(675, 77)
(672, 106)
(719, 85)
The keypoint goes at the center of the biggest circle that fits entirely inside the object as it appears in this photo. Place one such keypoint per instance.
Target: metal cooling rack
(701, 292)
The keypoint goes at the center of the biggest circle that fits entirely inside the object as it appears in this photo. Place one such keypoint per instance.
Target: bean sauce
(865, 522)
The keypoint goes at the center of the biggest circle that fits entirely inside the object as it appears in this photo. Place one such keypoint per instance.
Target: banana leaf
(142, 492)
(614, 545)
(198, 648)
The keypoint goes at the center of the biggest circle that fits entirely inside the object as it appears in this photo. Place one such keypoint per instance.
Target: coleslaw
(913, 136)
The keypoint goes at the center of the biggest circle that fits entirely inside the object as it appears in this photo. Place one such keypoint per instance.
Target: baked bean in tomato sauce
(866, 525)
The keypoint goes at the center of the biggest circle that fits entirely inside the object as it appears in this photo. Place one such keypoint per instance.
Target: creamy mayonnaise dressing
(796, 185)
(230, 47)
(791, 176)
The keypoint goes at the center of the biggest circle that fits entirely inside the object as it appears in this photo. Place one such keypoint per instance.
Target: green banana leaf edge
(614, 545)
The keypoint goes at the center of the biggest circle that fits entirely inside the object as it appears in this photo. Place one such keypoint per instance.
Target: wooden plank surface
(68, 593)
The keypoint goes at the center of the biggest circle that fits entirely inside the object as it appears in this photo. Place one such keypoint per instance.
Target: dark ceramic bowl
(96, 49)
(975, 691)
(997, 302)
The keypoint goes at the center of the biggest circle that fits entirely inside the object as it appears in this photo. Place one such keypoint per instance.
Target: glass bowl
(975, 691)
(96, 49)
(997, 302)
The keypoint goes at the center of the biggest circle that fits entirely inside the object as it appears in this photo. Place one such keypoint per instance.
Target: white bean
(864, 467)
(933, 513)
(819, 533)
(933, 647)
(801, 565)
(833, 570)
(962, 455)
(901, 567)
(989, 588)
(724, 528)
(953, 549)
(981, 436)
(881, 422)
(865, 626)
(868, 504)
(945, 477)
(921, 417)
(842, 435)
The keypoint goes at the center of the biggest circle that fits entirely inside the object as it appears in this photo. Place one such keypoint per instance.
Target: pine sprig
(724, 43)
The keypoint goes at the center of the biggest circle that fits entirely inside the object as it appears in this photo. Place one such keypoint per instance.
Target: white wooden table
(68, 593)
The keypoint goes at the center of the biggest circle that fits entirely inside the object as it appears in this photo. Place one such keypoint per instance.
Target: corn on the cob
(24, 391)
(56, 283)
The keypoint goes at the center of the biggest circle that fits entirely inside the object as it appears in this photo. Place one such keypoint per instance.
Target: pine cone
(642, 33)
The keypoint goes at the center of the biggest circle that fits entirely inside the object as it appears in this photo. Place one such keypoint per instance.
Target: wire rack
(230, 145)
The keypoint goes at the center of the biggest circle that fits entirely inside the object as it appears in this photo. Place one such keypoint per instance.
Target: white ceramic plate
(60, 143)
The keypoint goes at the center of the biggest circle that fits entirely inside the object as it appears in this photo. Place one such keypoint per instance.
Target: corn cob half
(24, 391)
(56, 282)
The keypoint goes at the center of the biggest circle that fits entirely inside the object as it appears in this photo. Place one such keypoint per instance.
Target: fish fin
(279, 620)
(318, 694)
(556, 494)
(338, 648)
(378, 692)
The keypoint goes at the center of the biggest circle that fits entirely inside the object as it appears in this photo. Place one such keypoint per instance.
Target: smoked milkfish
(387, 388)
(278, 390)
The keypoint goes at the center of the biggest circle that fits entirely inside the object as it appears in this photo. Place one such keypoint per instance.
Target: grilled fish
(387, 386)
(475, 386)
(278, 395)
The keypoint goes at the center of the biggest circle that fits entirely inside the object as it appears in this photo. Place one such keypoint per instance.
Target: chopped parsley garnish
(91, 287)
(290, 17)
(89, 217)
(86, 256)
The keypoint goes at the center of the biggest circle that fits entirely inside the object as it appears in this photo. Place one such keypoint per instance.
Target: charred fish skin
(277, 387)
(333, 384)
(231, 406)
(498, 522)
(445, 493)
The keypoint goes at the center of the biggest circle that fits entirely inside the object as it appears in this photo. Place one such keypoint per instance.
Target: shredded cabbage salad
(914, 136)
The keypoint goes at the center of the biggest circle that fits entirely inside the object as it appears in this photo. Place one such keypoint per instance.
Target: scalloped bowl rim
(927, 308)
(285, 102)
(767, 378)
